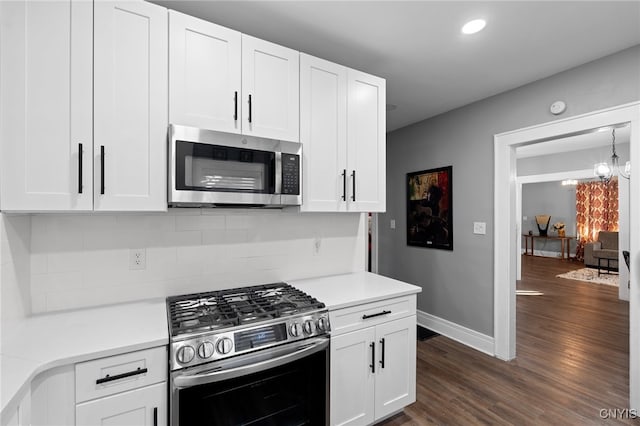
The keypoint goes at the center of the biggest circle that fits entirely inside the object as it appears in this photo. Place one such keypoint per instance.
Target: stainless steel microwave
(209, 168)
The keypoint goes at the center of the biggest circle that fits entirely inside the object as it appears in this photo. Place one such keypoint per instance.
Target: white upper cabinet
(46, 105)
(342, 128)
(80, 79)
(223, 80)
(366, 141)
(323, 132)
(130, 104)
(270, 87)
(205, 74)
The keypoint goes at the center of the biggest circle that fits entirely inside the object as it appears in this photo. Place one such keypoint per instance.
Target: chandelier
(606, 171)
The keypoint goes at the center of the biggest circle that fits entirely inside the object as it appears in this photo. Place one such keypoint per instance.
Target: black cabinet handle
(155, 416)
(102, 169)
(80, 154)
(372, 345)
(109, 378)
(235, 107)
(382, 355)
(375, 315)
(344, 184)
(249, 108)
(353, 176)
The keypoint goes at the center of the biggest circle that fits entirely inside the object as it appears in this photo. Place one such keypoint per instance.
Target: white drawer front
(122, 372)
(356, 317)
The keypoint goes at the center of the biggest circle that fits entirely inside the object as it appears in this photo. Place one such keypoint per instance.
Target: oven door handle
(186, 381)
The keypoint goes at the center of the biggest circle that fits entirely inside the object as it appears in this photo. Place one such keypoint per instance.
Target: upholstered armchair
(605, 248)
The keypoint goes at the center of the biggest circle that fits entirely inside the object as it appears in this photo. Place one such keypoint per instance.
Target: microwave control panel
(290, 174)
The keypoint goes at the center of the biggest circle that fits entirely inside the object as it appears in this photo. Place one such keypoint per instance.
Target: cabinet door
(270, 90)
(204, 74)
(130, 106)
(352, 379)
(366, 141)
(323, 132)
(396, 369)
(140, 407)
(46, 105)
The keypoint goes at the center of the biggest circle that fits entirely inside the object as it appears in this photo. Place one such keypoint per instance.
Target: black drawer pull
(109, 378)
(344, 184)
(382, 355)
(249, 108)
(155, 416)
(376, 315)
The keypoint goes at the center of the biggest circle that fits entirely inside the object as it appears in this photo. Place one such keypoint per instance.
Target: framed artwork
(429, 213)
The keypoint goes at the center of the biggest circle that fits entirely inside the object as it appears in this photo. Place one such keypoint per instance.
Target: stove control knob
(224, 346)
(205, 350)
(308, 327)
(185, 354)
(322, 324)
(295, 329)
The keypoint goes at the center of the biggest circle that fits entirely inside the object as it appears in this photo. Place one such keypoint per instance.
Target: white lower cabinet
(373, 370)
(143, 407)
(128, 389)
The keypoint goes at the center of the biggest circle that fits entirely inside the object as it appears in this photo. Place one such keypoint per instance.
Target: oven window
(204, 167)
(293, 394)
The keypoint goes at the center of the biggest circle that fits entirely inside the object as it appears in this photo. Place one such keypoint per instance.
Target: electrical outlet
(317, 242)
(393, 224)
(137, 259)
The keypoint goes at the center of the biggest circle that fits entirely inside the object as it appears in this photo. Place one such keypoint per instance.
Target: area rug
(590, 275)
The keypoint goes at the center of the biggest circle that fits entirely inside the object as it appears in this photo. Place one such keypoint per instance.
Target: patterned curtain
(596, 210)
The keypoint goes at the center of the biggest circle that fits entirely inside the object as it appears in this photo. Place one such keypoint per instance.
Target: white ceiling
(417, 46)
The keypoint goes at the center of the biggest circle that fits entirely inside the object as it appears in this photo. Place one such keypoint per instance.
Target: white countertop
(41, 342)
(341, 291)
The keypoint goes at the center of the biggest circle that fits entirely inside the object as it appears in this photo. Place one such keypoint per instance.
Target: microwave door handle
(278, 173)
(186, 381)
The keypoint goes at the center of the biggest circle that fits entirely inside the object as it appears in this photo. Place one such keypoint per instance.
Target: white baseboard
(464, 335)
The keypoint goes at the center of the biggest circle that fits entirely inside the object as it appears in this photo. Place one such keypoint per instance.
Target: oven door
(286, 385)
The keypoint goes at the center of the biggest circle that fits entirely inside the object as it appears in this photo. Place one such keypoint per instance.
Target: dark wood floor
(572, 358)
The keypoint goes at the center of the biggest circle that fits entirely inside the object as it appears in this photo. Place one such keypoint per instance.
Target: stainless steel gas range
(252, 355)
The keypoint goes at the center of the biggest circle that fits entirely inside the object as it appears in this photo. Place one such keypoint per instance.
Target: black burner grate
(228, 308)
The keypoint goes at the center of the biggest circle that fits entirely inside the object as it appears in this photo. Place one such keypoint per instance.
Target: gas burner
(208, 326)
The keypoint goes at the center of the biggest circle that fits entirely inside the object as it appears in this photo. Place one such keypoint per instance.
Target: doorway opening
(506, 230)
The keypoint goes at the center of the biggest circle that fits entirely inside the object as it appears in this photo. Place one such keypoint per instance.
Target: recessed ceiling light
(474, 26)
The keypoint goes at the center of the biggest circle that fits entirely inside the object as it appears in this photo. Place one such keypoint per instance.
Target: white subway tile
(155, 223)
(77, 260)
(238, 221)
(65, 261)
(194, 223)
(39, 263)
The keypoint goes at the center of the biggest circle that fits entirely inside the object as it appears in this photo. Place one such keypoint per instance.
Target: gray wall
(553, 199)
(458, 285)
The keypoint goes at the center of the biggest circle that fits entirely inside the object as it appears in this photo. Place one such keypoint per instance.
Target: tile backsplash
(84, 259)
